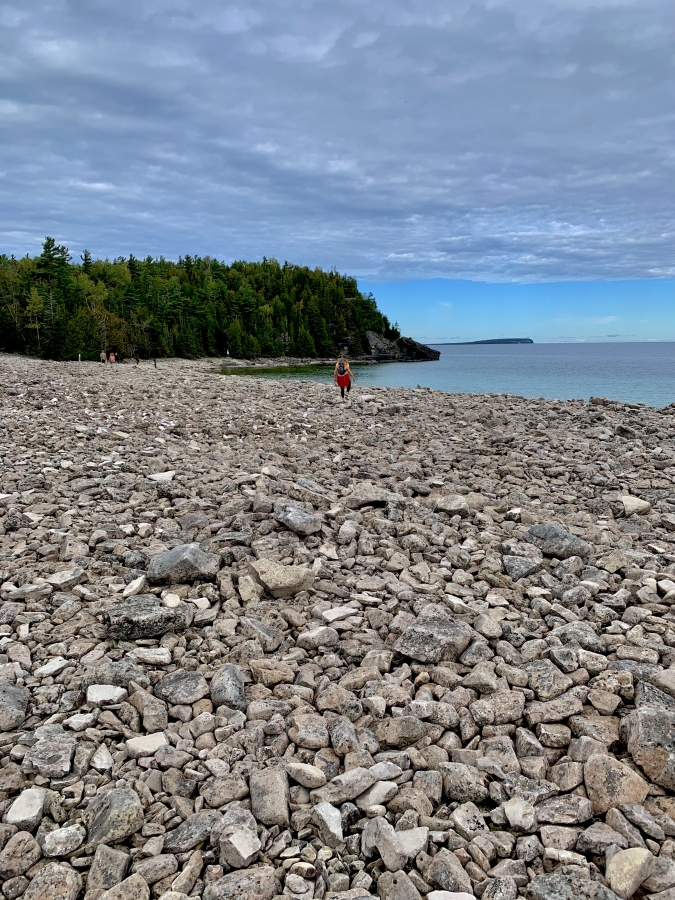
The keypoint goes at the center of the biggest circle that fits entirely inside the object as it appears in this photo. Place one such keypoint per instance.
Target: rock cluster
(257, 643)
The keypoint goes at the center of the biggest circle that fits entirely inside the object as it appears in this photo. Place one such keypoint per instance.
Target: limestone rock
(144, 616)
(112, 816)
(627, 869)
(281, 581)
(185, 563)
(54, 882)
(14, 701)
(610, 782)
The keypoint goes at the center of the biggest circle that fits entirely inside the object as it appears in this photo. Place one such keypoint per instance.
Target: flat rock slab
(144, 616)
(555, 541)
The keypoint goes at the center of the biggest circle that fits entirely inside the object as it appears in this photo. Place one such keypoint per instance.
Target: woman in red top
(343, 376)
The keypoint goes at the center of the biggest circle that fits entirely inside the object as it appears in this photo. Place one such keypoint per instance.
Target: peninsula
(490, 341)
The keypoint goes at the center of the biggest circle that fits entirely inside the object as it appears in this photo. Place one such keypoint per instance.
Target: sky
(474, 153)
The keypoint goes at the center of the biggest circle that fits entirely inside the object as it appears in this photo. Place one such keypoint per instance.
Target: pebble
(255, 642)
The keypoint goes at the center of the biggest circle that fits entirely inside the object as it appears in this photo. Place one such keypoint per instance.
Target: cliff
(403, 350)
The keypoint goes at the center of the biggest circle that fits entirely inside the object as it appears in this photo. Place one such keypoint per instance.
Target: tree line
(56, 307)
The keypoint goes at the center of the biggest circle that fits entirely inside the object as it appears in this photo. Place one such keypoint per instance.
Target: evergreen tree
(56, 308)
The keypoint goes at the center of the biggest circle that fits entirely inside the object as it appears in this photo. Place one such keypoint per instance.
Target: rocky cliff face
(403, 350)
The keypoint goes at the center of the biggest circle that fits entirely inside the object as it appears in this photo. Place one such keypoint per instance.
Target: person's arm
(335, 373)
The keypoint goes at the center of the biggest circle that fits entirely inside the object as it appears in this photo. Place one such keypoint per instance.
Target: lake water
(631, 372)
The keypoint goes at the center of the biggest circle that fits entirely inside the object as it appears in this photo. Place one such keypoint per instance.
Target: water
(630, 372)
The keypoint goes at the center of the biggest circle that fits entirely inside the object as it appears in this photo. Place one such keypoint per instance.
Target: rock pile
(255, 643)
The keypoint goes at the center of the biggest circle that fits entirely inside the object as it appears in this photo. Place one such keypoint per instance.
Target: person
(102, 356)
(112, 358)
(343, 376)
(136, 357)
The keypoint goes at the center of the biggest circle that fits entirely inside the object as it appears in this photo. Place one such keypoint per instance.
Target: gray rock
(297, 519)
(133, 888)
(446, 871)
(435, 636)
(184, 563)
(567, 887)
(112, 816)
(251, 884)
(52, 754)
(54, 882)
(580, 634)
(118, 673)
(555, 541)
(239, 846)
(195, 829)
(650, 736)
(227, 687)
(108, 868)
(144, 616)
(269, 796)
(281, 581)
(182, 688)
(223, 789)
(329, 822)
(19, 853)
(27, 809)
(157, 868)
(14, 701)
(398, 733)
(521, 566)
(63, 841)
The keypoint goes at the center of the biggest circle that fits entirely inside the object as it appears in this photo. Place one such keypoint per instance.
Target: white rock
(98, 694)
(146, 744)
(80, 721)
(633, 505)
(157, 656)
(306, 775)
(377, 795)
(239, 847)
(26, 811)
(627, 869)
(449, 895)
(102, 759)
(521, 814)
(338, 612)
(66, 579)
(63, 841)
(137, 586)
(54, 667)
(162, 476)
(329, 821)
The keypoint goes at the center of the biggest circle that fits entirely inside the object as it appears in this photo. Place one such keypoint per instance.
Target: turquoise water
(630, 372)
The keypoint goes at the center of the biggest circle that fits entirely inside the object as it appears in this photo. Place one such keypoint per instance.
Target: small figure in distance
(111, 359)
(102, 356)
(136, 357)
(343, 376)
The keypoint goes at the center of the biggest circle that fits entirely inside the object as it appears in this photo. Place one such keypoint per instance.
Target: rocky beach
(257, 643)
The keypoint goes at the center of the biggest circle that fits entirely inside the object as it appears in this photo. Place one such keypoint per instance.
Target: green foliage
(53, 307)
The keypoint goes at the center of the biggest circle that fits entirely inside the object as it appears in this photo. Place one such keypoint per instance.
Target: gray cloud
(497, 140)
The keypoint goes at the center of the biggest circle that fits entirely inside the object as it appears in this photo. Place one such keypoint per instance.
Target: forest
(57, 307)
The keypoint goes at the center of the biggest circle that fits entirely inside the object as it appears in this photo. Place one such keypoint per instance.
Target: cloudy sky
(401, 140)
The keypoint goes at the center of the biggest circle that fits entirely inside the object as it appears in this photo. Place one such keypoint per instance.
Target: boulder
(282, 582)
(144, 616)
(185, 563)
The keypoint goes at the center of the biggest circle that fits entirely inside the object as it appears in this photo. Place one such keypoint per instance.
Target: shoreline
(253, 620)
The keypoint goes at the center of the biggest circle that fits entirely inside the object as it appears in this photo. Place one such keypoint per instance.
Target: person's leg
(342, 392)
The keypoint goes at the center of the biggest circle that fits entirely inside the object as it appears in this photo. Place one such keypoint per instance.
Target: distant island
(491, 341)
